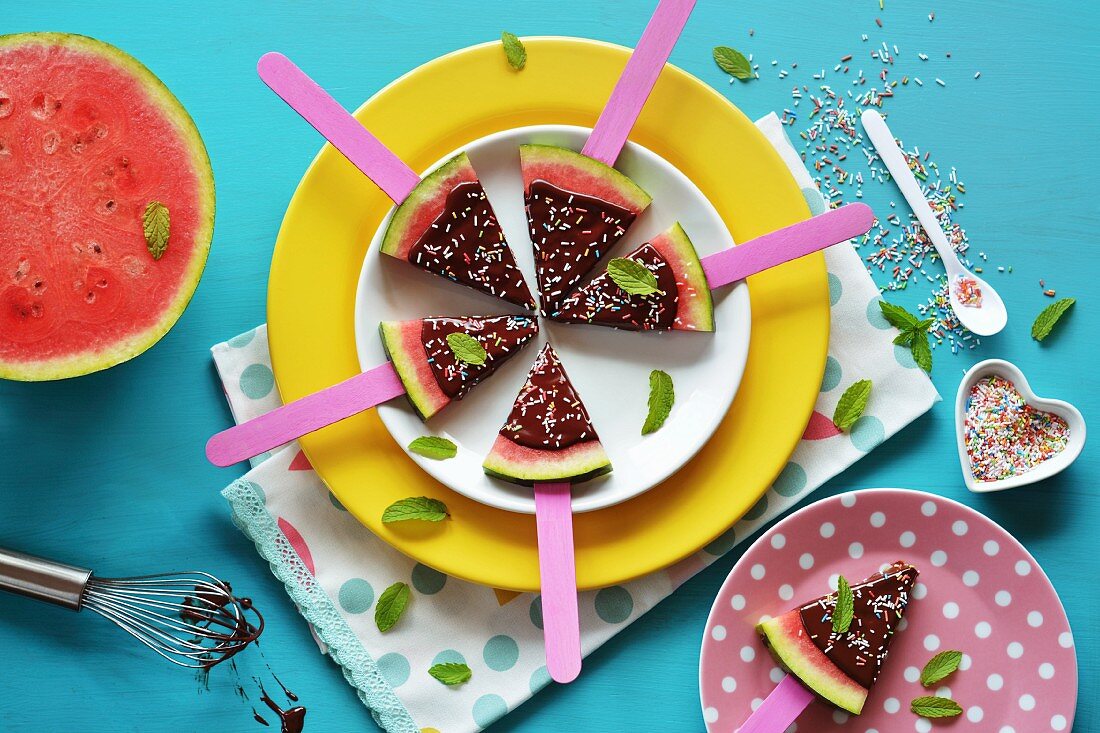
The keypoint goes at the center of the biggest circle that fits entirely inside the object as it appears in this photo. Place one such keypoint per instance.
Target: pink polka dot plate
(979, 591)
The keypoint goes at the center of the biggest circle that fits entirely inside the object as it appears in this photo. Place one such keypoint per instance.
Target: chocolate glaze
(880, 602)
(548, 414)
(465, 244)
(602, 301)
(291, 720)
(501, 337)
(216, 612)
(570, 233)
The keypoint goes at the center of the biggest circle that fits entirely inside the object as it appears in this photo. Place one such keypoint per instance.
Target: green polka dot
(904, 356)
(757, 510)
(257, 381)
(428, 580)
(501, 653)
(394, 668)
(256, 488)
(614, 604)
(449, 656)
(356, 595)
(721, 544)
(832, 375)
(540, 678)
(244, 339)
(791, 480)
(814, 200)
(336, 502)
(536, 611)
(836, 289)
(488, 709)
(257, 460)
(875, 317)
(867, 433)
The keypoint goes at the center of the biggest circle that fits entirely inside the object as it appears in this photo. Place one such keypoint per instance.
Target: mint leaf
(155, 223)
(940, 667)
(922, 352)
(415, 507)
(733, 62)
(1045, 321)
(851, 404)
(466, 348)
(431, 446)
(845, 607)
(514, 50)
(935, 707)
(451, 673)
(391, 604)
(661, 397)
(632, 276)
(897, 316)
(905, 338)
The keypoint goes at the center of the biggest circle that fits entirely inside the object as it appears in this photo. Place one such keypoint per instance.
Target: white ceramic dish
(1065, 410)
(609, 368)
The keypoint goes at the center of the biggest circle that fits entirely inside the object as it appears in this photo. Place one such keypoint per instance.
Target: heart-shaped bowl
(1061, 408)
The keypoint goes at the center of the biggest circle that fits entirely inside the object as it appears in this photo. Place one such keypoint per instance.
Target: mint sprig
(935, 707)
(420, 508)
(391, 605)
(844, 611)
(661, 397)
(466, 348)
(1045, 321)
(451, 673)
(632, 276)
(940, 667)
(432, 446)
(914, 332)
(852, 404)
(514, 50)
(733, 62)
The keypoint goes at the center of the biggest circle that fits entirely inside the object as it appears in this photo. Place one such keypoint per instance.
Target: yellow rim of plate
(445, 104)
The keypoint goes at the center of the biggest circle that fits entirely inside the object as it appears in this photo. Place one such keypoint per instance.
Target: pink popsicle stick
(558, 578)
(336, 124)
(781, 708)
(797, 240)
(298, 418)
(637, 80)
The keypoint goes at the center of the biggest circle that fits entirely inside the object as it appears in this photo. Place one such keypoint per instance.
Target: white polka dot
(907, 539)
(737, 603)
(928, 508)
(991, 547)
(944, 691)
(786, 592)
(922, 725)
(1027, 703)
(834, 580)
(931, 642)
(920, 590)
(729, 684)
(747, 654)
(840, 717)
(757, 571)
(718, 633)
(806, 561)
(1023, 567)
(776, 675)
(764, 619)
(1035, 619)
(1046, 670)
(1003, 598)
(938, 558)
(848, 500)
(965, 662)
(710, 715)
(792, 728)
(891, 705)
(975, 714)
(855, 550)
(1015, 650)
(756, 702)
(1065, 640)
(960, 527)
(995, 682)
(1007, 729)
(828, 529)
(912, 674)
(878, 519)
(1058, 722)
(951, 610)
(903, 624)
(779, 541)
(970, 578)
(983, 630)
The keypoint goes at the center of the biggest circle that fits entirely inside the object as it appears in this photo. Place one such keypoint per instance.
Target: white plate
(609, 368)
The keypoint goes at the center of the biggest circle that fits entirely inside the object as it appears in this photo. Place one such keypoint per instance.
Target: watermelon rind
(573, 171)
(423, 204)
(696, 308)
(518, 464)
(401, 340)
(167, 104)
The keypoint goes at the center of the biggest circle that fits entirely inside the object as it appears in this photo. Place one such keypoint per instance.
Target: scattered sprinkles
(968, 291)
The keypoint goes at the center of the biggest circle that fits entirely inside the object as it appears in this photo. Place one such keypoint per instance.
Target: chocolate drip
(602, 301)
(548, 414)
(500, 337)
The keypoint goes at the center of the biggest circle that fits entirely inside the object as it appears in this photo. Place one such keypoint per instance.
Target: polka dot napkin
(334, 569)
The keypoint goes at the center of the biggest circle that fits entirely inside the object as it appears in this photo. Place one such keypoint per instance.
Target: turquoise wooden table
(107, 470)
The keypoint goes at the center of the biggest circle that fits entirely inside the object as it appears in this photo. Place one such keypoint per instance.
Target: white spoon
(991, 315)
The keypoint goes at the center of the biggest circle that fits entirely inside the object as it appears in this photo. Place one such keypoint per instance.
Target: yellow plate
(461, 97)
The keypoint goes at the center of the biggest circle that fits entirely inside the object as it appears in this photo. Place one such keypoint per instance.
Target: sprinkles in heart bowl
(1007, 435)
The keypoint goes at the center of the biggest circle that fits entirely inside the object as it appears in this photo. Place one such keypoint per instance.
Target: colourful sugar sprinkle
(968, 291)
(1004, 435)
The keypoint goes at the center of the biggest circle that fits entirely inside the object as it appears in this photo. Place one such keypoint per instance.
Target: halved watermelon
(842, 667)
(548, 435)
(446, 226)
(681, 302)
(430, 369)
(577, 209)
(89, 137)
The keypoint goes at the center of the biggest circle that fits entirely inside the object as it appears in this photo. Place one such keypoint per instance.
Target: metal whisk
(190, 618)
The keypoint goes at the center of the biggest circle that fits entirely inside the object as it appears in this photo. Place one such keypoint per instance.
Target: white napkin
(334, 569)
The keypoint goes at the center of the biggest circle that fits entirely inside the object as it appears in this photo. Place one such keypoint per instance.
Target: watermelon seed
(39, 287)
(110, 205)
(6, 106)
(50, 141)
(44, 106)
(90, 297)
(21, 269)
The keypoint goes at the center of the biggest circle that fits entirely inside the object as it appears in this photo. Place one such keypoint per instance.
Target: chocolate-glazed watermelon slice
(842, 667)
(577, 209)
(682, 300)
(548, 435)
(446, 226)
(431, 371)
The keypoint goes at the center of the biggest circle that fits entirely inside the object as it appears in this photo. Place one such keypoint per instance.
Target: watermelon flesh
(431, 372)
(682, 301)
(843, 667)
(446, 226)
(548, 435)
(88, 138)
(577, 209)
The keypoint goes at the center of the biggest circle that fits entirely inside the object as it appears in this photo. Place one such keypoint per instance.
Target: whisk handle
(41, 579)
